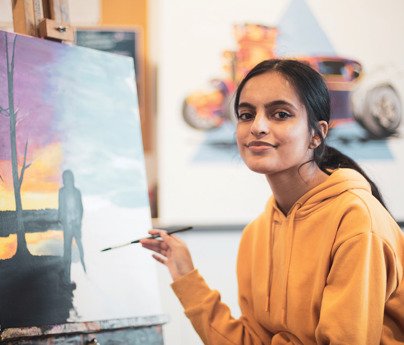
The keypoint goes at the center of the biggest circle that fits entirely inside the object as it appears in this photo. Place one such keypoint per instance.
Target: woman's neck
(288, 186)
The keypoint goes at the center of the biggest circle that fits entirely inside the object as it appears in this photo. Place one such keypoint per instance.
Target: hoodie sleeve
(210, 317)
(361, 277)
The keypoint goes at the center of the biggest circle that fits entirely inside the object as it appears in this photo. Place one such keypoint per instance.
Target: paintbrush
(147, 238)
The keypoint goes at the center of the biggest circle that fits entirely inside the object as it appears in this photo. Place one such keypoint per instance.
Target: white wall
(6, 17)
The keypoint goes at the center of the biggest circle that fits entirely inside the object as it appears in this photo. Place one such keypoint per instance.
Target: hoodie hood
(338, 182)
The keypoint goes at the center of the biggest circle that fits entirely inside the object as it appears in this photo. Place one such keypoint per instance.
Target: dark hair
(313, 93)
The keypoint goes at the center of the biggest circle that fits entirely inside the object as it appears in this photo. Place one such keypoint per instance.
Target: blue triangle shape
(300, 34)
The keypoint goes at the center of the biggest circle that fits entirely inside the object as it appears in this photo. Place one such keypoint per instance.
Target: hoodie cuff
(191, 289)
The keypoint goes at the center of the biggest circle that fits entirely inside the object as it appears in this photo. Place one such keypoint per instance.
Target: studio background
(201, 176)
(185, 45)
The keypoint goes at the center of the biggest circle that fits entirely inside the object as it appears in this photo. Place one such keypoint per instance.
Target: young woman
(323, 264)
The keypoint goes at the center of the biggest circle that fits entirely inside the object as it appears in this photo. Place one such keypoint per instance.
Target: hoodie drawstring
(271, 246)
(291, 236)
(288, 255)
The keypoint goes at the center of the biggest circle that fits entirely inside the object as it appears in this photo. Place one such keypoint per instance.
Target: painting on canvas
(72, 182)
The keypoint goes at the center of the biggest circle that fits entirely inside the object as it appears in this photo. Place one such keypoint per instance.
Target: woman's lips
(260, 146)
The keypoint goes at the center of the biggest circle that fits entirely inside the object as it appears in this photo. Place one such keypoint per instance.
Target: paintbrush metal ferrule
(170, 232)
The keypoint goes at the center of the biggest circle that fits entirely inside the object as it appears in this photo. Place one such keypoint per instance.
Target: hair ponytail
(334, 159)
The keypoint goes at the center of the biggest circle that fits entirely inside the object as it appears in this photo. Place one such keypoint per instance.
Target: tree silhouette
(11, 113)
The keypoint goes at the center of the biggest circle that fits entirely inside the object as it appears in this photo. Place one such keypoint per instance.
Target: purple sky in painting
(28, 94)
(78, 110)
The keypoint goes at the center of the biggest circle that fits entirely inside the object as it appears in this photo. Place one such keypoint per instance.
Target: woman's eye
(282, 115)
(245, 116)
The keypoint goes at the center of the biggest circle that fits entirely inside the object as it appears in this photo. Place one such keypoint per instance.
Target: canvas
(72, 182)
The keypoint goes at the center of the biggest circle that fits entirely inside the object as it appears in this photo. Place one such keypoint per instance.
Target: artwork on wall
(366, 89)
(354, 127)
(72, 182)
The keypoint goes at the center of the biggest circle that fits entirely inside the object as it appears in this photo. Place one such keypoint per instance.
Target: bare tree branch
(1, 178)
(5, 111)
(24, 167)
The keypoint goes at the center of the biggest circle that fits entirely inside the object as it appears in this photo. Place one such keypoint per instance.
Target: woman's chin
(259, 169)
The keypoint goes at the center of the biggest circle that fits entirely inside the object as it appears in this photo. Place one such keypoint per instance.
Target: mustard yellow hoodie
(329, 272)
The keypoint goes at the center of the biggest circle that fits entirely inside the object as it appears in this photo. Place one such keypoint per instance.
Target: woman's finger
(154, 242)
(159, 259)
(176, 239)
(155, 232)
(156, 247)
(169, 239)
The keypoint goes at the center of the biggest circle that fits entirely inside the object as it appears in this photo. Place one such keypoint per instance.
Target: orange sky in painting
(41, 180)
(39, 190)
(35, 238)
(8, 245)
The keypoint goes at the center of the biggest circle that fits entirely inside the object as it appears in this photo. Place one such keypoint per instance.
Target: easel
(43, 18)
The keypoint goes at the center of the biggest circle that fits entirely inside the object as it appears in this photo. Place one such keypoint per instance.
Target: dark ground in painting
(31, 289)
(34, 221)
(32, 292)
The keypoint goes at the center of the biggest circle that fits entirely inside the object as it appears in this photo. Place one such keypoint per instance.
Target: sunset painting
(72, 182)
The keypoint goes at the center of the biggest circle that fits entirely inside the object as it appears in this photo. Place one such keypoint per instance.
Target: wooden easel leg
(23, 17)
(59, 11)
(38, 13)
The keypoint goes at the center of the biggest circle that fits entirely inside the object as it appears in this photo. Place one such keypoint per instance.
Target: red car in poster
(209, 109)
(341, 76)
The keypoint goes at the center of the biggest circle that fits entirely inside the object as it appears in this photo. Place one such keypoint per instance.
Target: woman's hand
(174, 253)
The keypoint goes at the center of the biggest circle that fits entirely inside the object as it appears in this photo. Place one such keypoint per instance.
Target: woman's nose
(260, 125)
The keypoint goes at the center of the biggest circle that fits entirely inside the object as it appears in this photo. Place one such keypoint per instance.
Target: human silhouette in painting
(70, 215)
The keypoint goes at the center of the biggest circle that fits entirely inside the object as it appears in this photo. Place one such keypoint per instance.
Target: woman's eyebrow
(245, 105)
(268, 105)
(279, 102)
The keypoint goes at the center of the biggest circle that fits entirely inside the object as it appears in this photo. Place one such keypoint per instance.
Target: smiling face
(272, 131)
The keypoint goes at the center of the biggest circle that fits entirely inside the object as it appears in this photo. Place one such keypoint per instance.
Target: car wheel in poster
(197, 120)
(382, 112)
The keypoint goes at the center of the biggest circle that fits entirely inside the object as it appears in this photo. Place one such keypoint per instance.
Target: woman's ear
(316, 139)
